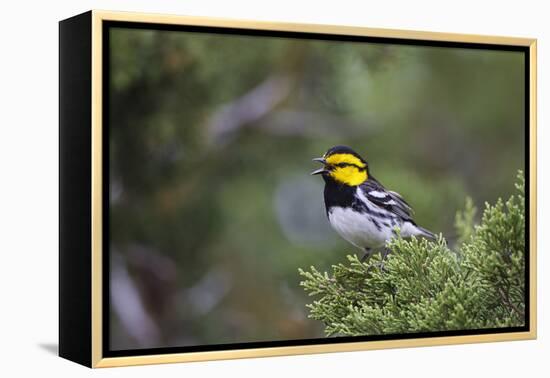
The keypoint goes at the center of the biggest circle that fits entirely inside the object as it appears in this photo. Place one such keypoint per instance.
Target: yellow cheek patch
(349, 175)
(346, 159)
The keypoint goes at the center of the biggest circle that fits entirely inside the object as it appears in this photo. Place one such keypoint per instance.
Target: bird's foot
(385, 253)
(381, 266)
(366, 257)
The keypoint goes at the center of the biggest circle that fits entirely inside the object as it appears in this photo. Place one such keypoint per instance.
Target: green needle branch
(426, 286)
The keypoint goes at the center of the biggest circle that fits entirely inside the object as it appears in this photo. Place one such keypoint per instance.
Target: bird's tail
(425, 233)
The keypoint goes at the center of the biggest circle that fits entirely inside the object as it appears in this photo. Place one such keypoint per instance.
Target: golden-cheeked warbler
(358, 207)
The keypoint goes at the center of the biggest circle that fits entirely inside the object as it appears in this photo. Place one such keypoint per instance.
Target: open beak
(320, 170)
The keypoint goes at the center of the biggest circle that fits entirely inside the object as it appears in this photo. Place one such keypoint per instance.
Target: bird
(359, 208)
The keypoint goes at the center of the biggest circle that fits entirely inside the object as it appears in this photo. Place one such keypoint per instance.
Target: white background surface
(29, 174)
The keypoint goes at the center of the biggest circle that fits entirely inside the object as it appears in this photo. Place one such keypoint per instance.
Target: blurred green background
(212, 209)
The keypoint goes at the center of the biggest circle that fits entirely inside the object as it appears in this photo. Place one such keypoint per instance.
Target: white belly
(359, 229)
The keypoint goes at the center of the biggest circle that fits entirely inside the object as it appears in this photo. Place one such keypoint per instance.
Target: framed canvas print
(235, 189)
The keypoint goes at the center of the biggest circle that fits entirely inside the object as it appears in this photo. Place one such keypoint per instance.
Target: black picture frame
(84, 305)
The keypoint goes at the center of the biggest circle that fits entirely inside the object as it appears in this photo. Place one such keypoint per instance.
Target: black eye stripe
(343, 165)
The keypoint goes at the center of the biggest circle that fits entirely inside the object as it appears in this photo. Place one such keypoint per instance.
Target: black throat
(338, 195)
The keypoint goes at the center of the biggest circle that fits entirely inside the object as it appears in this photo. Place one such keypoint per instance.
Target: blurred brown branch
(248, 108)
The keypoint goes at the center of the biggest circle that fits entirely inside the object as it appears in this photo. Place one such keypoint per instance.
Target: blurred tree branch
(250, 107)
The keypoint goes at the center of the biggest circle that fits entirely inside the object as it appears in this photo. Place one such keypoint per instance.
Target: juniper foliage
(426, 286)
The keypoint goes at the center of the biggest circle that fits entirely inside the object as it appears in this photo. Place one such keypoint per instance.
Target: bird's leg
(367, 255)
(385, 253)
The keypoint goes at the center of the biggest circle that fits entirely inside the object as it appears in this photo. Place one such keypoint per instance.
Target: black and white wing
(386, 199)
